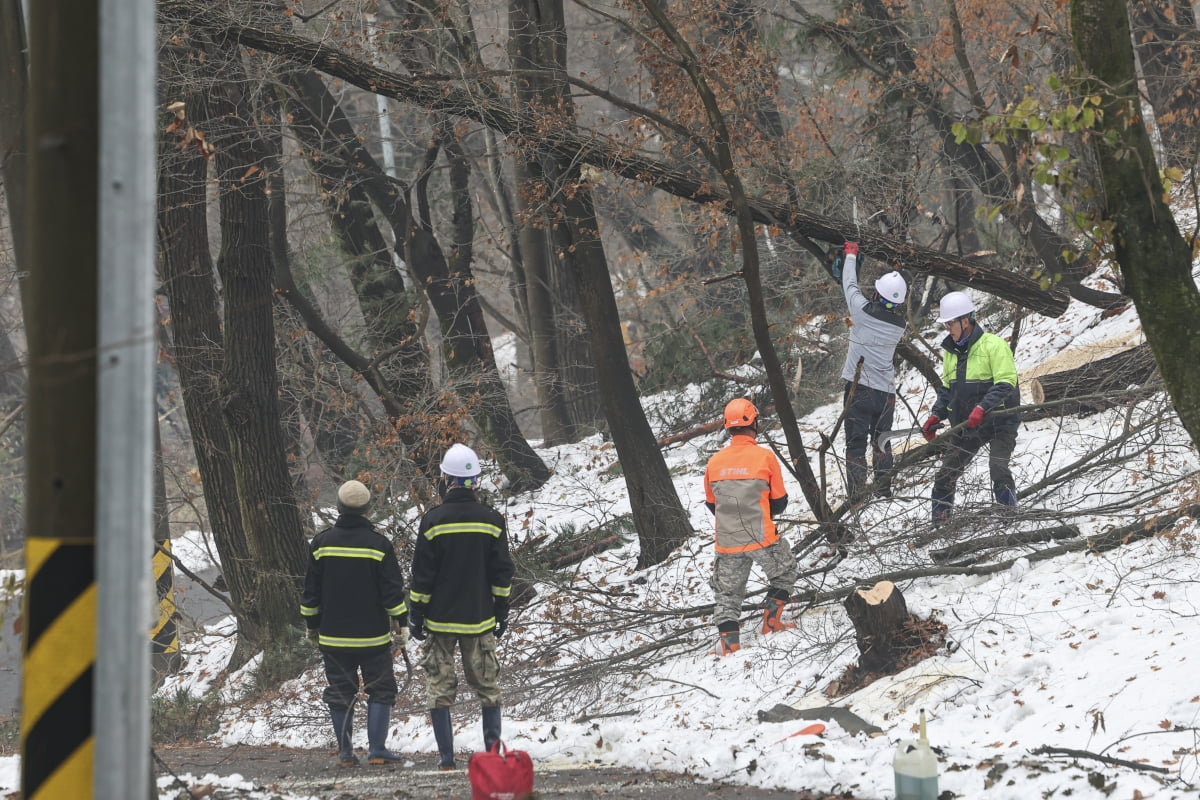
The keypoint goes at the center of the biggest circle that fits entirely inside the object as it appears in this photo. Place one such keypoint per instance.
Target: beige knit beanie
(353, 497)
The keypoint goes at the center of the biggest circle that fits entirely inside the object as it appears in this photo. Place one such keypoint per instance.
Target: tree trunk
(388, 307)
(14, 90)
(661, 522)
(533, 45)
(472, 362)
(14, 76)
(398, 367)
(576, 369)
(465, 340)
(249, 379)
(720, 155)
(660, 519)
(879, 615)
(1092, 383)
(1155, 260)
(196, 345)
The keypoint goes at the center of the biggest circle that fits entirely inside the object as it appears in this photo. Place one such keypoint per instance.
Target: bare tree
(1155, 259)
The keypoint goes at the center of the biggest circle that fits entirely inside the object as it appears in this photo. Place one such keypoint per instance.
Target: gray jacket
(874, 333)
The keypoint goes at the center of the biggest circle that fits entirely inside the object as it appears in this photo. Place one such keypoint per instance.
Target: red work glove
(850, 248)
(929, 429)
(976, 418)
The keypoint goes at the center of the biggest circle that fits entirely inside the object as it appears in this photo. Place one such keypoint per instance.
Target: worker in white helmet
(461, 581)
(979, 380)
(876, 325)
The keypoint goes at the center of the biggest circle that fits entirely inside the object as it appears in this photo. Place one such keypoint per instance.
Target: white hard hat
(955, 305)
(891, 287)
(461, 462)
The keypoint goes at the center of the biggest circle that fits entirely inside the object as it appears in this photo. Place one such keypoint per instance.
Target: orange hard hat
(740, 413)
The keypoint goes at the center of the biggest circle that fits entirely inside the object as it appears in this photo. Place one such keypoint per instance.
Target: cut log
(1012, 539)
(1092, 383)
(880, 618)
(707, 427)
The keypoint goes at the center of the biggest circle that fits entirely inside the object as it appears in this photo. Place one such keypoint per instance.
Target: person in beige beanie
(353, 599)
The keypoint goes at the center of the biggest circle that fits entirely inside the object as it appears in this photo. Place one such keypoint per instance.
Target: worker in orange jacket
(743, 487)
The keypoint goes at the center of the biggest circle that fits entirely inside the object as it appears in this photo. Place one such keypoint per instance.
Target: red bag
(500, 774)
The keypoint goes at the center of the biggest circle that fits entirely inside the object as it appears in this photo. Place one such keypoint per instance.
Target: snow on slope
(1092, 652)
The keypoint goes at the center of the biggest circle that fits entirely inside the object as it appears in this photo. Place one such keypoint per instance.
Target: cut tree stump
(880, 617)
(1091, 382)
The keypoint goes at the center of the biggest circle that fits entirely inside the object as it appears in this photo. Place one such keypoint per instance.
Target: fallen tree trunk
(1092, 387)
(981, 543)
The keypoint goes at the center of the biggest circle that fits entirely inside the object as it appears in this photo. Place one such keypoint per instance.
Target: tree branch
(1047, 750)
(609, 154)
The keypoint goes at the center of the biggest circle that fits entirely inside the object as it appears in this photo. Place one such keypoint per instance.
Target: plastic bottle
(916, 769)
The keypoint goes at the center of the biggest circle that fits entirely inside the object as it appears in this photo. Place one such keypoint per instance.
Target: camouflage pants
(732, 570)
(480, 666)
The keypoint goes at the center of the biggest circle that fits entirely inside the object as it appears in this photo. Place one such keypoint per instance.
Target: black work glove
(501, 611)
(416, 625)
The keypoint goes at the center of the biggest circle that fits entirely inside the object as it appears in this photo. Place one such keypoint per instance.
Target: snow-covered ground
(1095, 652)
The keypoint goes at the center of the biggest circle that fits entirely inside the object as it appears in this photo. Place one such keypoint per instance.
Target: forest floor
(315, 773)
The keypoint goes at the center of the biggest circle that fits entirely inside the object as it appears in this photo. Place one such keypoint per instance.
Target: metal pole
(382, 115)
(59, 615)
(124, 481)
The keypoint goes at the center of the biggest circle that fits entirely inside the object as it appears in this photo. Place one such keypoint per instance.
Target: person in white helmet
(979, 380)
(461, 581)
(876, 325)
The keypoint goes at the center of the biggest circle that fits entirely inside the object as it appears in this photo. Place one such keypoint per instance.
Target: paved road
(315, 773)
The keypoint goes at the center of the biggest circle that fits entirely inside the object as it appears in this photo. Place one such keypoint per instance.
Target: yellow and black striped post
(164, 639)
(60, 294)
(59, 658)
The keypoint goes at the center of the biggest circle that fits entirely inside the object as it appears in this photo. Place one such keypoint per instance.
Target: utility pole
(59, 644)
(126, 441)
(91, 339)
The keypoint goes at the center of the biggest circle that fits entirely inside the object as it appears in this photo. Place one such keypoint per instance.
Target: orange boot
(773, 613)
(729, 639)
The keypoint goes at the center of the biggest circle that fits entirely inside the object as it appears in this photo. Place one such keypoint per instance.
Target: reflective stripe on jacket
(980, 372)
(460, 565)
(740, 482)
(353, 587)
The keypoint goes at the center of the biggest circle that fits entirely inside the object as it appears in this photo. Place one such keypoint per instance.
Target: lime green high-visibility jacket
(979, 372)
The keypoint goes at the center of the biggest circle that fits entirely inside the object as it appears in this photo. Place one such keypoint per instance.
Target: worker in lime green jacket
(979, 381)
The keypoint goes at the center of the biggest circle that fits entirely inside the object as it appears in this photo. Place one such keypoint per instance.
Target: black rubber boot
(377, 730)
(491, 726)
(942, 507)
(443, 732)
(343, 727)
(1005, 496)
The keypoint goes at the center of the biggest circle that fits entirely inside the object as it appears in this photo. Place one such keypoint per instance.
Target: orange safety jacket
(741, 482)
